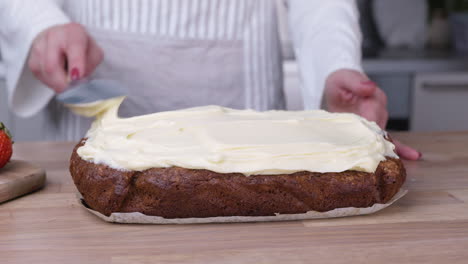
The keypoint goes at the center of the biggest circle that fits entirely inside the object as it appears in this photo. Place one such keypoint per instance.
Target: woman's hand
(351, 91)
(63, 53)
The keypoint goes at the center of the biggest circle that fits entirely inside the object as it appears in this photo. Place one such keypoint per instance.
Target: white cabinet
(440, 102)
(397, 87)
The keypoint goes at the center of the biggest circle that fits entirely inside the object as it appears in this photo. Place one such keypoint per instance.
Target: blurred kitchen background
(417, 52)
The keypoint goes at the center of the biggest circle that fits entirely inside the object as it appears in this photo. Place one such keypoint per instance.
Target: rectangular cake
(213, 161)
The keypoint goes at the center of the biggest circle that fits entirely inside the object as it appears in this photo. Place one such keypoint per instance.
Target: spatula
(91, 90)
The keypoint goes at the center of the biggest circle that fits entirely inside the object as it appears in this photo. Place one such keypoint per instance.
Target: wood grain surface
(19, 178)
(428, 225)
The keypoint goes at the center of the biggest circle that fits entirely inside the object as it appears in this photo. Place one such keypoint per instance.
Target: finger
(76, 51)
(406, 152)
(381, 97)
(367, 111)
(373, 110)
(35, 56)
(359, 84)
(94, 57)
(53, 64)
(362, 88)
(35, 67)
(347, 96)
(384, 120)
(381, 108)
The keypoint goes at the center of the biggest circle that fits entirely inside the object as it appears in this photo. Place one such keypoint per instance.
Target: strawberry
(6, 145)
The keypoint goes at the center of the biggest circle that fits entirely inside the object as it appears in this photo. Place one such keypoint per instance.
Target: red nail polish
(420, 155)
(75, 74)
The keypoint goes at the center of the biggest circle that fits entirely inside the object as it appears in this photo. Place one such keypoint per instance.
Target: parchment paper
(139, 218)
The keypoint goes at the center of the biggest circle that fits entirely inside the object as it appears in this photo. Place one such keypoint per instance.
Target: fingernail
(75, 74)
(420, 155)
(369, 83)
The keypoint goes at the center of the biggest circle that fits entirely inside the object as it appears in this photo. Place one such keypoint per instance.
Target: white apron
(174, 54)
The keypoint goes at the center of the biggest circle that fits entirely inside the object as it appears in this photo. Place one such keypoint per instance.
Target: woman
(183, 53)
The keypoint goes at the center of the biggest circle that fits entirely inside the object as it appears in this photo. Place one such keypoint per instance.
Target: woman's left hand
(352, 91)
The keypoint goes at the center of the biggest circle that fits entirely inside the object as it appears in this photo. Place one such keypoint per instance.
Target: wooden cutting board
(18, 178)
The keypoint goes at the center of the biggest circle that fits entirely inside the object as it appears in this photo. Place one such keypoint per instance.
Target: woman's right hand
(63, 53)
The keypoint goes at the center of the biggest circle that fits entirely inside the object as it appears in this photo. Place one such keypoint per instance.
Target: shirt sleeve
(326, 37)
(21, 21)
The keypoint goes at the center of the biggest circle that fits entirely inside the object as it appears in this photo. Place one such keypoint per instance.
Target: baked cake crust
(176, 192)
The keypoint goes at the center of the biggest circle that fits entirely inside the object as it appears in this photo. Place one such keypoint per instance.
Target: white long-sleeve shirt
(243, 33)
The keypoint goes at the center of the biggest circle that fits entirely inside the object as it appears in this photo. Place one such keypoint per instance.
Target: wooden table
(428, 225)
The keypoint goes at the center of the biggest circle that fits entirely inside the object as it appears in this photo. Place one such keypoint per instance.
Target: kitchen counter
(428, 225)
(404, 61)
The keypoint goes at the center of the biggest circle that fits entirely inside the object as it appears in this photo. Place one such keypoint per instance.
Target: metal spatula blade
(88, 91)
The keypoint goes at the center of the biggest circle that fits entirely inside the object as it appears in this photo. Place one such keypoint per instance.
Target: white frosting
(226, 140)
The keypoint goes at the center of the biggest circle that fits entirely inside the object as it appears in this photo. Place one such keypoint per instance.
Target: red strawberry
(6, 145)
